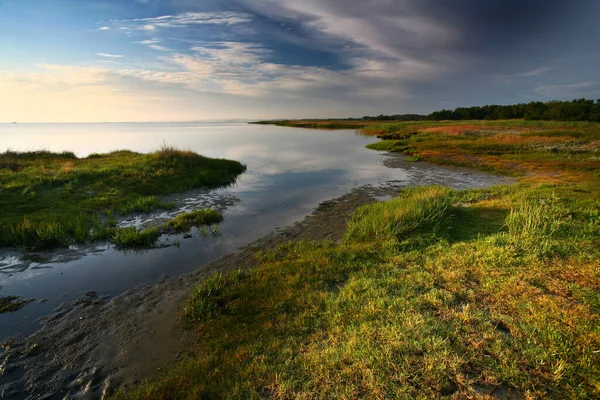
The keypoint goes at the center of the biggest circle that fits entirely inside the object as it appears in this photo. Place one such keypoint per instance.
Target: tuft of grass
(130, 237)
(55, 199)
(142, 204)
(185, 221)
(206, 300)
(12, 303)
(416, 208)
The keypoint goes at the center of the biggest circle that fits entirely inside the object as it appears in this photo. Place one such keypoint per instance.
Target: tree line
(575, 110)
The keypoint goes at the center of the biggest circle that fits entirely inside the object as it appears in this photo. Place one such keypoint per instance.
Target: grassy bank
(320, 124)
(55, 199)
(437, 293)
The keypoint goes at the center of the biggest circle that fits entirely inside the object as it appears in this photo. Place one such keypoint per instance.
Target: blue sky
(161, 60)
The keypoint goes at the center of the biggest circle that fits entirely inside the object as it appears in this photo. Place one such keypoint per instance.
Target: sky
(192, 60)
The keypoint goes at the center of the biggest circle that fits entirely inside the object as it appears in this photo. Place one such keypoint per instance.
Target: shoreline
(97, 344)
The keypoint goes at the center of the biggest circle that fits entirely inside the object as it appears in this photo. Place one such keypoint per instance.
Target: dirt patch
(94, 345)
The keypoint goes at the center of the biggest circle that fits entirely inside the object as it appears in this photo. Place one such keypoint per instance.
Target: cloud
(110, 55)
(569, 90)
(282, 56)
(183, 20)
(453, 36)
(154, 44)
(533, 72)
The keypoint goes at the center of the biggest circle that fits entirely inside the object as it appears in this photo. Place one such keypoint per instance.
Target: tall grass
(417, 207)
(205, 301)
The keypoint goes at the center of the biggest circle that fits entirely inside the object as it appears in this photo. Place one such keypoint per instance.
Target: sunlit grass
(437, 293)
(55, 199)
(185, 221)
(456, 303)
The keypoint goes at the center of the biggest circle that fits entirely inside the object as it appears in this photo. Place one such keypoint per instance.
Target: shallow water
(290, 171)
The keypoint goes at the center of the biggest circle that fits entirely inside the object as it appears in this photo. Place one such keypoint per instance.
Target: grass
(56, 199)
(12, 303)
(131, 237)
(438, 293)
(185, 221)
(320, 124)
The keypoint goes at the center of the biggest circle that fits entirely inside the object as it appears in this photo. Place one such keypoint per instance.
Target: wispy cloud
(183, 20)
(154, 44)
(104, 28)
(568, 90)
(110, 55)
(532, 73)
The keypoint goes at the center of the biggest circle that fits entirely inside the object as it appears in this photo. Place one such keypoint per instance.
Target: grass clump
(55, 199)
(12, 303)
(438, 293)
(130, 237)
(417, 207)
(207, 298)
(185, 221)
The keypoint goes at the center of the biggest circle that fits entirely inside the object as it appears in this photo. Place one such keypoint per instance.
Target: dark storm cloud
(409, 26)
(432, 47)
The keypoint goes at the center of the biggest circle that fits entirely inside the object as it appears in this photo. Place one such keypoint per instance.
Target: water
(290, 171)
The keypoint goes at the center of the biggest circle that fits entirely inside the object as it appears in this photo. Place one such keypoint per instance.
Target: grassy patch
(12, 303)
(185, 221)
(131, 237)
(437, 293)
(54, 199)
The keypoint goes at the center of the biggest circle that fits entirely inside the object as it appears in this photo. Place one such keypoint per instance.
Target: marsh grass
(185, 221)
(454, 303)
(435, 294)
(206, 300)
(55, 199)
(12, 303)
(136, 238)
(418, 207)
(131, 237)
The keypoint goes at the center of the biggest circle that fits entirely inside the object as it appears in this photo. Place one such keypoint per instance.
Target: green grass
(132, 238)
(55, 199)
(401, 216)
(185, 221)
(456, 301)
(12, 303)
(437, 293)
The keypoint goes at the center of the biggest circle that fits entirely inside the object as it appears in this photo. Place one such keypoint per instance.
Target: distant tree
(595, 111)
(535, 110)
(575, 110)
